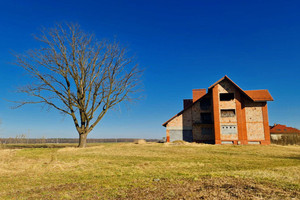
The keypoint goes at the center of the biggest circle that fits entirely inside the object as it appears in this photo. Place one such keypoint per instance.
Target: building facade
(224, 114)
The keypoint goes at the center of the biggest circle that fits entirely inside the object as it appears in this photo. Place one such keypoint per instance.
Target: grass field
(150, 171)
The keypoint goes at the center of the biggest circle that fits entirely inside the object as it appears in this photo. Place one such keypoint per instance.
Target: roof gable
(254, 95)
(233, 83)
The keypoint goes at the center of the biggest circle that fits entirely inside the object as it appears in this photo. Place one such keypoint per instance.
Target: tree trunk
(82, 140)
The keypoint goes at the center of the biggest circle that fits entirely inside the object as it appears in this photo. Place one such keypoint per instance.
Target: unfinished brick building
(225, 114)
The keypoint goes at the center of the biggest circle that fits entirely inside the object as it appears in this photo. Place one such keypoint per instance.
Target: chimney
(198, 93)
(187, 102)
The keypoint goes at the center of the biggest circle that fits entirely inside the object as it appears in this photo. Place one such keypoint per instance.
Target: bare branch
(78, 75)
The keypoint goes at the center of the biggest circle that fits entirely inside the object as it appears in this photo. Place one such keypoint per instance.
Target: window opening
(226, 96)
(227, 112)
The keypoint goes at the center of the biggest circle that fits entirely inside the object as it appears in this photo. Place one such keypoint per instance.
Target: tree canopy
(78, 75)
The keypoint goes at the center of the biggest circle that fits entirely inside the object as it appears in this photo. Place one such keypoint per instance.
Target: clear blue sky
(182, 45)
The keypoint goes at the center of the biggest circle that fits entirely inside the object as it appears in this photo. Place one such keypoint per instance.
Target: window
(253, 142)
(228, 129)
(227, 112)
(205, 104)
(226, 96)
(206, 118)
(226, 142)
(206, 131)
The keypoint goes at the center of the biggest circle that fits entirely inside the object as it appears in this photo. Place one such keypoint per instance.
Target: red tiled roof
(278, 128)
(259, 95)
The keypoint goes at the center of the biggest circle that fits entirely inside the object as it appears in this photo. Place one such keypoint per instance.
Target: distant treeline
(19, 140)
(286, 139)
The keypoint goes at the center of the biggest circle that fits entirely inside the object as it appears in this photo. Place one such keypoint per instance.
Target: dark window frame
(205, 103)
(205, 119)
(226, 96)
(224, 110)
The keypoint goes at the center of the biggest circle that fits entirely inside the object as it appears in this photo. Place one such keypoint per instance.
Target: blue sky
(182, 45)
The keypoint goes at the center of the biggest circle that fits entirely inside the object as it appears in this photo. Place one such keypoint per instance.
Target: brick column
(241, 118)
(168, 135)
(216, 113)
(244, 125)
(266, 125)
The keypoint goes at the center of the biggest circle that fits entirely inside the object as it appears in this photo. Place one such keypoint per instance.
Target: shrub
(287, 139)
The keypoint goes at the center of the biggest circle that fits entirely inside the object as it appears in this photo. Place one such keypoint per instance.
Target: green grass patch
(149, 171)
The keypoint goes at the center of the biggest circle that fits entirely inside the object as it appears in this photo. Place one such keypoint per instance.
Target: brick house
(225, 114)
(278, 130)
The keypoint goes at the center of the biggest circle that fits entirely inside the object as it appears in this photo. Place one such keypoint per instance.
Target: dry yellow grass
(151, 171)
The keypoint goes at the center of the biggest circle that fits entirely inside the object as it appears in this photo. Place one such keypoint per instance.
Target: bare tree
(78, 75)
